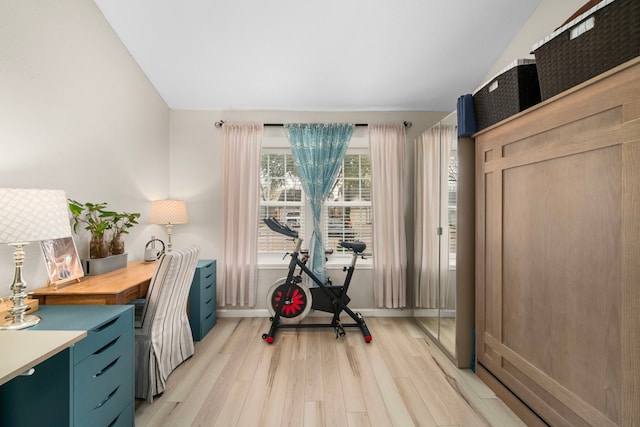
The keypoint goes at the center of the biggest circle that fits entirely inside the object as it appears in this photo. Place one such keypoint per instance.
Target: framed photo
(61, 259)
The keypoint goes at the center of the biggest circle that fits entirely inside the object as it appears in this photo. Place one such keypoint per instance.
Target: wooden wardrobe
(558, 255)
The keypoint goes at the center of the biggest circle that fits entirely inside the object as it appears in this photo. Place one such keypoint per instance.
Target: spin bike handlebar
(281, 228)
(278, 227)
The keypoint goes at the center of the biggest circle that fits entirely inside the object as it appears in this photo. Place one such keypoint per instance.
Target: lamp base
(17, 319)
(12, 325)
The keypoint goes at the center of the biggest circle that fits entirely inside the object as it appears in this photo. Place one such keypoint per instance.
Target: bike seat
(357, 247)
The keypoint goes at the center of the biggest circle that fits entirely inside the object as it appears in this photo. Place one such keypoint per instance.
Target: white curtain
(431, 251)
(387, 150)
(241, 143)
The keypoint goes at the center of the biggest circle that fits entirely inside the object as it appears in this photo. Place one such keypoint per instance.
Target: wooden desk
(116, 287)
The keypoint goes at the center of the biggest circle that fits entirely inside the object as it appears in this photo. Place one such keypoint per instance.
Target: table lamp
(29, 215)
(169, 212)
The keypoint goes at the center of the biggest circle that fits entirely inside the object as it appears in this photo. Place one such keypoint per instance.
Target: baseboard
(366, 312)
(434, 312)
(526, 414)
(445, 312)
(425, 312)
(226, 312)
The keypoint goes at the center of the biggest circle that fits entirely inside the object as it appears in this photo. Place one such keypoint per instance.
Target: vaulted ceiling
(316, 55)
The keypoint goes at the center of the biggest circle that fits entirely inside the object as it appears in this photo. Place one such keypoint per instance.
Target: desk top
(116, 287)
(22, 350)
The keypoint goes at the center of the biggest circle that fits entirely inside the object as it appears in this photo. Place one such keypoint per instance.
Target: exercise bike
(289, 300)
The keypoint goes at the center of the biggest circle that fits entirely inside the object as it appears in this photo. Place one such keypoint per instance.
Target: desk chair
(162, 335)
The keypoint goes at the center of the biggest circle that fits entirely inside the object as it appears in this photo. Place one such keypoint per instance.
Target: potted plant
(97, 221)
(120, 222)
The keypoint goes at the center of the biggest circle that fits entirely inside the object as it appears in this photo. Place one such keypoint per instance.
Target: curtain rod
(221, 122)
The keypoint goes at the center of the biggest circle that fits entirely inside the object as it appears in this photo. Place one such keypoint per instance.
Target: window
(281, 197)
(452, 182)
(347, 210)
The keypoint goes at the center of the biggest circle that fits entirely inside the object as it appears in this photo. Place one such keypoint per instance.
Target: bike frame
(325, 297)
(297, 262)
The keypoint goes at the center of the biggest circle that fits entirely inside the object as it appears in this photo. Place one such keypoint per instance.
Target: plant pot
(117, 245)
(98, 247)
(104, 265)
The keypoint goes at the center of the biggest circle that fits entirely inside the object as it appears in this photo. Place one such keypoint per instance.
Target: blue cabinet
(202, 299)
(42, 398)
(89, 384)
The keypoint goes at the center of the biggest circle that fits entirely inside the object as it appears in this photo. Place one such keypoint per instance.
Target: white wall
(77, 114)
(548, 16)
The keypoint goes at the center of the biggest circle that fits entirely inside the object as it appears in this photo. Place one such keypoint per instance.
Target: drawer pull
(210, 314)
(106, 399)
(107, 346)
(207, 276)
(106, 368)
(28, 372)
(208, 301)
(106, 325)
(115, 420)
(210, 285)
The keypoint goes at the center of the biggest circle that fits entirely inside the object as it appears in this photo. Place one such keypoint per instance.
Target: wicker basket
(514, 89)
(603, 37)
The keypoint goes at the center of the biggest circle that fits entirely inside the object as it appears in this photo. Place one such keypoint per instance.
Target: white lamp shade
(29, 215)
(169, 212)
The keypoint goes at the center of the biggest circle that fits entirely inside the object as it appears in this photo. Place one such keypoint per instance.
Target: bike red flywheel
(291, 301)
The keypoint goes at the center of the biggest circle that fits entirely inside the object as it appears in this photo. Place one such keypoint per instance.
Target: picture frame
(62, 261)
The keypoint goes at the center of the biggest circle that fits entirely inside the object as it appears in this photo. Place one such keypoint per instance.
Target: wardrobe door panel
(557, 249)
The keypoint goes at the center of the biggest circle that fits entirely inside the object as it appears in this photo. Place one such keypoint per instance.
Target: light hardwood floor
(309, 378)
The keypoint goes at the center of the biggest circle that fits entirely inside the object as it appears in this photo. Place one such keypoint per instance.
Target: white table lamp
(169, 212)
(29, 215)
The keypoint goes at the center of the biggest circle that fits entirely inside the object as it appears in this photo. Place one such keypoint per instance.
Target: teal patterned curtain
(318, 150)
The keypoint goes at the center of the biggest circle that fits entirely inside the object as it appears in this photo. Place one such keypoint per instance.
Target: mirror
(444, 268)
(444, 245)
(448, 239)
(435, 241)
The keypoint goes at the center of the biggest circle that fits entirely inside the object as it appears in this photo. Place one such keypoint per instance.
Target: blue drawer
(208, 289)
(207, 304)
(98, 407)
(208, 323)
(126, 418)
(102, 335)
(202, 299)
(208, 272)
(93, 371)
